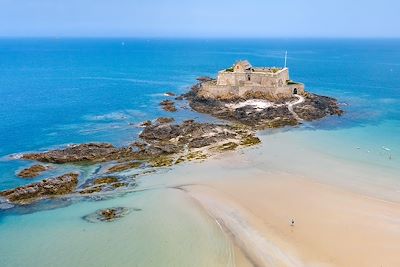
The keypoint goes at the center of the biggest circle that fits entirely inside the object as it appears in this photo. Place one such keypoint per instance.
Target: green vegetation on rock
(250, 140)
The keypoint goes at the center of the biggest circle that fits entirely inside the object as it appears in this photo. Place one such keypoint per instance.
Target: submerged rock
(5, 205)
(124, 166)
(33, 171)
(107, 215)
(168, 105)
(61, 185)
(101, 184)
(106, 180)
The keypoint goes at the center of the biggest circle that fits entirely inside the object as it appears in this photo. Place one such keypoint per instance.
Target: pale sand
(333, 227)
(254, 199)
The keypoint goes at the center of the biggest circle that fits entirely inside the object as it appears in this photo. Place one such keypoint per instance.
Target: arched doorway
(248, 77)
(295, 91)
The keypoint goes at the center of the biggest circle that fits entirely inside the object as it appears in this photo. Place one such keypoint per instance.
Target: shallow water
(57, 92)
(169, 230)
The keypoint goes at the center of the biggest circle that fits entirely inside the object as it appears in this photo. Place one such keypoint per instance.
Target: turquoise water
(59, 91)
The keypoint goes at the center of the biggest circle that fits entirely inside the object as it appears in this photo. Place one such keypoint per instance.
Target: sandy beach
(332, 227)
(254, 200)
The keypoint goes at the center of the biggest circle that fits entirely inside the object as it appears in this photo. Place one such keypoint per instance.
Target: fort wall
(242, 81)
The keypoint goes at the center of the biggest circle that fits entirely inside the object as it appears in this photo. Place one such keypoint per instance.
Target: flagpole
(285, 59)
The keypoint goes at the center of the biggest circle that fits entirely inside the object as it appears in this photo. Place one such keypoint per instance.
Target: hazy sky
(205, 18)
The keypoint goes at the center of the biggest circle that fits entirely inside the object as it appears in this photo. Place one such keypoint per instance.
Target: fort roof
(244, 64)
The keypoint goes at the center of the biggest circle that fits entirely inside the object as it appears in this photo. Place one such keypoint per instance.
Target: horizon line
(197, 37)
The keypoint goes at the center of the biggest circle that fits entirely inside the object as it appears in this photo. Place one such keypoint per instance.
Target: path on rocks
(300, 99)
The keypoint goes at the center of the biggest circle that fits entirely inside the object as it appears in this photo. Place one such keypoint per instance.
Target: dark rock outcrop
(33, 171)
(271, 117)
(62, 185)
(157, 140)
(276, 116)
(83, 153)
(164, 120)
(173, 138)
(145, 123)
(316, 107)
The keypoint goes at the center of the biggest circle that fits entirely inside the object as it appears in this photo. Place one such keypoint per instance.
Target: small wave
(388, 101)
(113, 116)
(13, 156)
(121, 115)
(5, 205)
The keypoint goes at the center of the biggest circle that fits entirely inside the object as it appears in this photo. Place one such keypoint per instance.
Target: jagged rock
(83, 153)
(62, 185)
(33, 171)
(145, 123)
(190, 133)
(163, 120)
(316, 107)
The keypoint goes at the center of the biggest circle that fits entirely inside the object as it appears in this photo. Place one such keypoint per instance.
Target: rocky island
(249, 98)
(259, 97)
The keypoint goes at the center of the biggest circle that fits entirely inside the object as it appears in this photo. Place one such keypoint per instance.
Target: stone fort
(245, 81)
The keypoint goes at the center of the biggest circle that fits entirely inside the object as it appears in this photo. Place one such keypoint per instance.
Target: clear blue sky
(201, 18)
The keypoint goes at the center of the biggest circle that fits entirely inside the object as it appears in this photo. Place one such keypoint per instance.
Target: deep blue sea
(55, 92)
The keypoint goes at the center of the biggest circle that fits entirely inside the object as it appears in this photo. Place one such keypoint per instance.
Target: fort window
(295, 91)
(249, 77)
